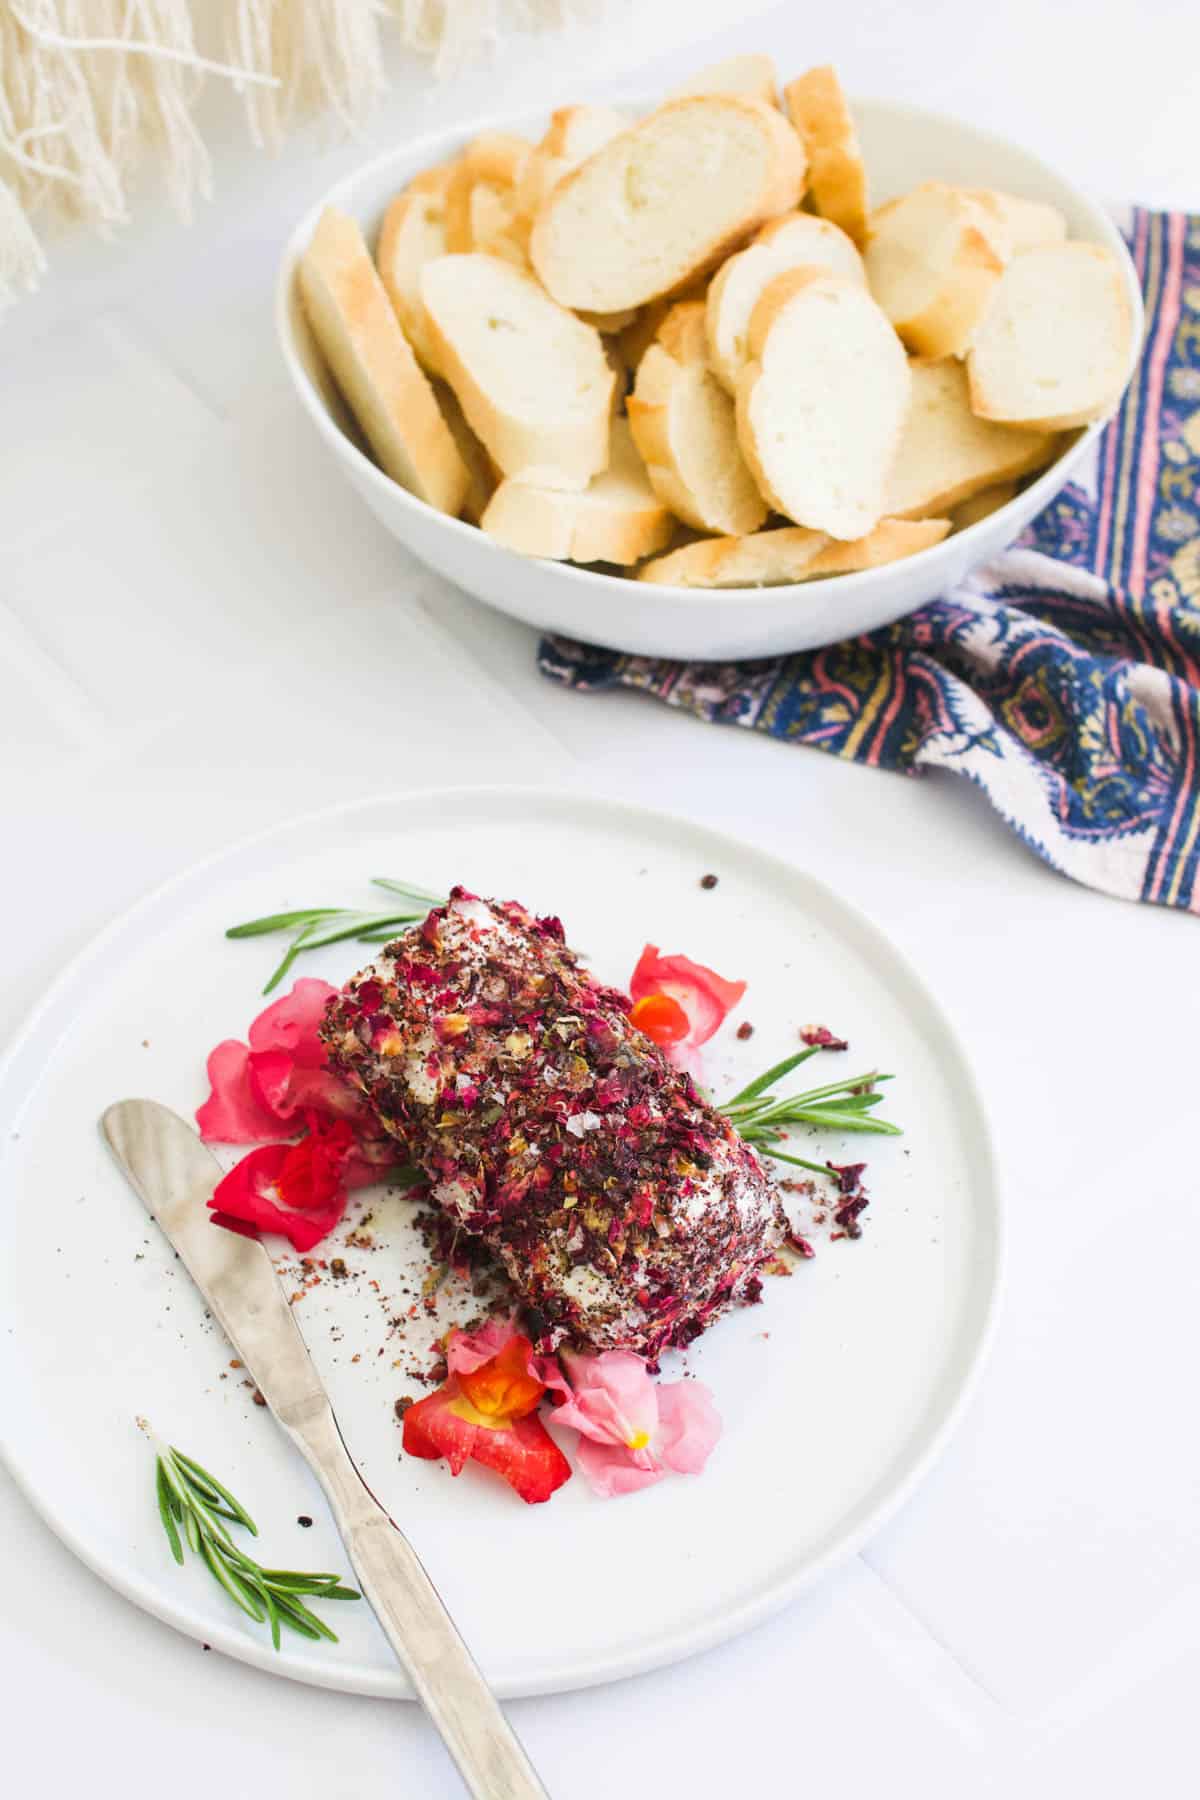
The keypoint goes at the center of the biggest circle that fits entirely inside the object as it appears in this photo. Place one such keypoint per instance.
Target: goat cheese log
(626, 1211)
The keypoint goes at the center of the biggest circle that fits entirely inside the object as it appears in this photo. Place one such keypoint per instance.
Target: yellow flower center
(638, 1441)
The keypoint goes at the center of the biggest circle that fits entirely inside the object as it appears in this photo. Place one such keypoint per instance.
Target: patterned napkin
(1063, 678)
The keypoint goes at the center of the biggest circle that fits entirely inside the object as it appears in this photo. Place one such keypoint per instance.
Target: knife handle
(446, 1677)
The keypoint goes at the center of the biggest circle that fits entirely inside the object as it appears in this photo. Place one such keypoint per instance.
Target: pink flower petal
(286, 1087)
(612, 1399)
(233, 1112)
(705, 996)
(291, 1023)
(689, 1426)
(467, 1351)
(610, 1471)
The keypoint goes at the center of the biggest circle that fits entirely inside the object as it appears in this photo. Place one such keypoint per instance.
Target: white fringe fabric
(90, 88)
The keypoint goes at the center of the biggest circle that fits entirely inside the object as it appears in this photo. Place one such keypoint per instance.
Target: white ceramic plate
(836, 1392)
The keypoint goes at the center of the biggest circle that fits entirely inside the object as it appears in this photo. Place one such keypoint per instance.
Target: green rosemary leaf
(384, 934)
(235, 1588)
(188, 1493)
(280, 921)
(799, 1162)
(774, 1074)
(166, 1512)
(236, 1509)
(407, 889)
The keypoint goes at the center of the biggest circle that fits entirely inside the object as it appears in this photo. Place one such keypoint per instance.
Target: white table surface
(178, 568)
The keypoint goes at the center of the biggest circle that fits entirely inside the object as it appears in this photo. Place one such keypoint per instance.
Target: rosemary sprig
(193, 1505)
(763, 1117)
(315, 926)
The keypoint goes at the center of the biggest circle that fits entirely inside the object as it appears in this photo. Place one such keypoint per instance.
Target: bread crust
(563, 451)
(837, 175)
(378, 375)
(959, 292)
(565, 274)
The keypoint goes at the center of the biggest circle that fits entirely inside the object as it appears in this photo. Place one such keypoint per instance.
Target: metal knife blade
(175, 1174)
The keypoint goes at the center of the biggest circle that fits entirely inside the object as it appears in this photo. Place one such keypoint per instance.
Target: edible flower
(679, 1004)
(633, 1430)
(259, 1089)
(819, 1037)
(486, 1412)
(298, 1189)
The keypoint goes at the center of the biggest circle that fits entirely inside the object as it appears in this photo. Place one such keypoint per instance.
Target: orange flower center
(501, 1389)
(662, 1019)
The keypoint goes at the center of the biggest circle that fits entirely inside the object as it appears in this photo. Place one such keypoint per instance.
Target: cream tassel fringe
(91, 88)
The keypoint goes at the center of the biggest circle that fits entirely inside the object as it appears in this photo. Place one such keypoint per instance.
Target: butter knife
(174, 1175)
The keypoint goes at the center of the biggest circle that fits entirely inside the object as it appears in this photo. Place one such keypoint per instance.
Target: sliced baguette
(664, 201)
(532, 380)
(617, 519)
(983, 505)
(837, 176)
(763, 559)
(482, 475)
(1055, 348)
(795, 241)
(685, 426)
(751, 74)
(573, 134)
(822, 401)
(637, 337)
(933, 263)
(946, 454)
(413, 233)
(1022, 224)
(354, 324)
(481, 208)
(789, 553)
(890, 541)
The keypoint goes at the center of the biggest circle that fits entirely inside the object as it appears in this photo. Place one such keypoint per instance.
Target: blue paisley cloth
(1064, 677)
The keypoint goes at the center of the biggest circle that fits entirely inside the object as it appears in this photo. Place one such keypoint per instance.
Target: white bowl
(902, 145)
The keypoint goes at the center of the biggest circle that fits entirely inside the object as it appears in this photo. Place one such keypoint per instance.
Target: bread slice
(1023, 224)
(1055, 348)
(795, 241)
(932, 264)
(573, 134)
(890, 541)
(822, 401)
(788, 554)
(685, 426)
(665, 200)
(751, 74)
(616, 519)
(371, 359)
(946, 454)
(837, 175)
(480, 203)
(773, 558)
(482, 475)
(984, 504)
(532, 380)
(637, 337)
(413, 233)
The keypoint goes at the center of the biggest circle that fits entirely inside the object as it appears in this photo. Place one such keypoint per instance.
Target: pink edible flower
(259, 1089)
(633, 1430)
(680, 1004)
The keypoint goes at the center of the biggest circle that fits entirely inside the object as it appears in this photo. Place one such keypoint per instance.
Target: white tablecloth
(178, 567)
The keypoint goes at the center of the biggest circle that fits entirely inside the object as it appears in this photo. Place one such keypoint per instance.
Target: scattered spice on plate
(304, 1520)
(708, 881)
(745, 1030)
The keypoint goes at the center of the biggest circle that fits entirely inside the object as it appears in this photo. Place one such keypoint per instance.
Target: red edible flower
(819, 1037)
(295, 1189)
(277, 1086)
(486, 1412)
(258, 1089)
(679, 1003)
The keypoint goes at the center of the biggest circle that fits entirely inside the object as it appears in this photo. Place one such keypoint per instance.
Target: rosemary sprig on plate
(763, 1117)
(193, 1506)
(317, 925)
